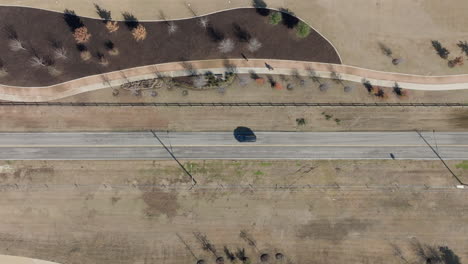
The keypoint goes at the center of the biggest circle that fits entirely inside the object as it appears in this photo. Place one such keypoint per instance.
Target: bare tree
(203, 22)
(254, 45)
(60, 53)
(37, 61)
(226, 45)
(172, 27)
(16, 45)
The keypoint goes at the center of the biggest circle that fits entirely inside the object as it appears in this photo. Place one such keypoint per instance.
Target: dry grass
(116, 217)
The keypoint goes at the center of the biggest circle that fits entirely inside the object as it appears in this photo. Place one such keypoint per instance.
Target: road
(222, 145)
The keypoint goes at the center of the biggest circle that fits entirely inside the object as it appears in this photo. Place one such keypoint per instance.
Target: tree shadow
(271, 80)
(253, 75)
(10, 32)
(241, 33)
(289, 19)
(214, 34)
(104, 14)
(188, 67)
(261, 7)
(130, 20)
(73, 21)
(109, 45)
(81, 47)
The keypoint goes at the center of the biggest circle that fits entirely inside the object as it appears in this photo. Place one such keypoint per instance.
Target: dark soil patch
(160, 202)
(41, 30)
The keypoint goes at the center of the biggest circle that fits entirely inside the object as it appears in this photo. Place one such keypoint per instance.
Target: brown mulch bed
(38, 28)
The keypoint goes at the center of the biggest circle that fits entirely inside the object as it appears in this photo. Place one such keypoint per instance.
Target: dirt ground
(354, 27)
(189, 42)
(143, 212)
(43, 118)
(248, 90)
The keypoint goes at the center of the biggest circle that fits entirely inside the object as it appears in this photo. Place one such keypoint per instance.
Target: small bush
(112, 26)
(302, 30)
(300, 121)
(254, 45)
(458, 61)
(81, 35)
(85, 55)
(139, 33)
(203, 22)
(226, 46)
(172, 28)
(275, 18)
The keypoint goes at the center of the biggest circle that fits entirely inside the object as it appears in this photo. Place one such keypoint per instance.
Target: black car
(244, 134)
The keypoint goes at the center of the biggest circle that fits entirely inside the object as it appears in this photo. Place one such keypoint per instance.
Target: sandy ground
(354, 27)
(142, 212)
(253, 92)
(35, 118)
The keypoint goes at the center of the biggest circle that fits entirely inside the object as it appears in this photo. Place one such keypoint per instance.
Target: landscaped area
(41, 48)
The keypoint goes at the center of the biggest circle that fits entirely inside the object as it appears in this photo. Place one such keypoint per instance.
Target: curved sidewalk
(7, 259)
(175, 69)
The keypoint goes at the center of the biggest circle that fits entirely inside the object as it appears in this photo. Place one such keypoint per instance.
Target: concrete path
(350, 73)
(222, 145)
(5, 259)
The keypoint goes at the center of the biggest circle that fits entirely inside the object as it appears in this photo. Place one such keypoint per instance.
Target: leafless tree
(37, 61)
(172, 27)
(16, 45)
(226, 45)
(60, 53)
(254, 45)
(203, 22)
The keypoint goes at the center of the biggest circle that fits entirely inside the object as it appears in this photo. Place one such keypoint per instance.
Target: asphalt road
(219, 145)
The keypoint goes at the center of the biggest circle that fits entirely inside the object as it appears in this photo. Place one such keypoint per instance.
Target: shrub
(81, 35)
(102, 59)
(111, 49)
(455, 62)
(275, 18)
(139, 33)
(302, 30)
(85, 55)
(112, 26)
(203, 22)
(171, 28)
(254, 45)
(300, 121)
(226, 45)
